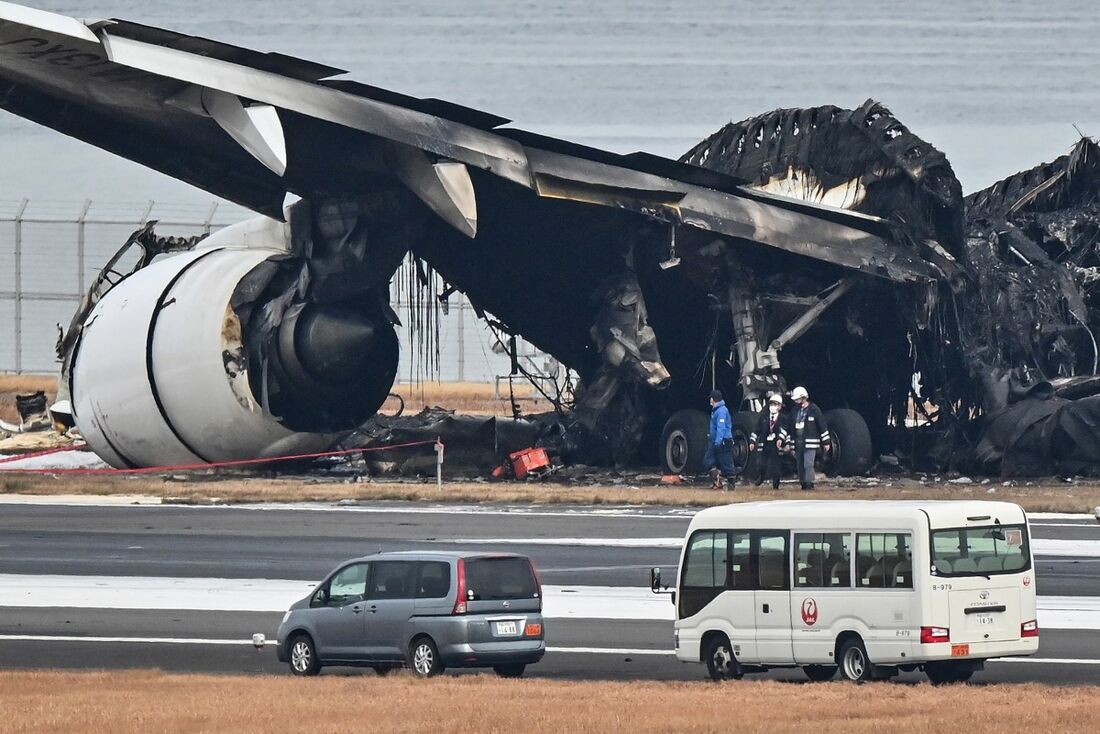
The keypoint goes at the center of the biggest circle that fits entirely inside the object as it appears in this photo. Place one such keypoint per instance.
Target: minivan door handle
(373, 608)
(767, 609)
(356, 609)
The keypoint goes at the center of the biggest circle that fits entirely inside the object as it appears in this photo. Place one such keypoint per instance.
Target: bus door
(772, 597)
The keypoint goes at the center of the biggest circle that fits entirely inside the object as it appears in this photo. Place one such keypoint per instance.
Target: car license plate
(983, 619)
(507, 628)
(960, 651)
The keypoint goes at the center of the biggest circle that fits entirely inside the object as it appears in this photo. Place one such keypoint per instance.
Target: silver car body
(379, 626)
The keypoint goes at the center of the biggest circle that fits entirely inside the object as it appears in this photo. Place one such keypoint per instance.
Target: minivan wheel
(721, 662)
(854, 663)
(424, 658)
(819, 673)
(303, 656)
(509, 671)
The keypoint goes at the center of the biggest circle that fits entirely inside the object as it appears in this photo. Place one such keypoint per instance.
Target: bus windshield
(980, 551)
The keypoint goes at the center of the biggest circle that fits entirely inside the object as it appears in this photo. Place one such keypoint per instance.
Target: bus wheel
(819, 673)
(721, 662)
(854, 663)
(942, 674)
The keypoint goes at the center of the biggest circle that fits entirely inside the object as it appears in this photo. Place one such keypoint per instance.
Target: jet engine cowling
(161, 374)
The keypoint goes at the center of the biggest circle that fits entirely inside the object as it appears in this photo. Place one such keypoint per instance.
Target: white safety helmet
(775, 398)
(800, 393)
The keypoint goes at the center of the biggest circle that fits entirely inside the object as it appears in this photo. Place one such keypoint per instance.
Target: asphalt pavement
(94, 586)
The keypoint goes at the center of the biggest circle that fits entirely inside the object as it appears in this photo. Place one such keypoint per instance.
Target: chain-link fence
(51, 251)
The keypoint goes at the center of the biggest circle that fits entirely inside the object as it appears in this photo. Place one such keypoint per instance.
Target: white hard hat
(799, 393)
(775, 398)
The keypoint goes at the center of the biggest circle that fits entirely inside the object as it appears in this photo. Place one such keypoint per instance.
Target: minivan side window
(434, 580)
(822, 560)
(884, 560)
(393, 580)
(348, 586)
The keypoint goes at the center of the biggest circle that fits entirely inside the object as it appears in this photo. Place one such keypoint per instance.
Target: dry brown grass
(95, 703)
(201, 488)
(12, 385)
(476, 398)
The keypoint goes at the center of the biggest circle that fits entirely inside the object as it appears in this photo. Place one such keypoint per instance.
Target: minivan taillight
(463, 593)
(1029, 629)
(930, 635)
(538, 581)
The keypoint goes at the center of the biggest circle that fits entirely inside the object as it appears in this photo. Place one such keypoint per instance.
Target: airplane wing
(252, 127)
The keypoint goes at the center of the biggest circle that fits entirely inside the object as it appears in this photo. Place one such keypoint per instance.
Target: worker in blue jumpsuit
(719, 457)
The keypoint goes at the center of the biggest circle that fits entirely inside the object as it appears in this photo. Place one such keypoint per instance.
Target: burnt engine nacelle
(161, 375)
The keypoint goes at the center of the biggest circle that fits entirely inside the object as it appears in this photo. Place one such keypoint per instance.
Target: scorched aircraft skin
(653, 279)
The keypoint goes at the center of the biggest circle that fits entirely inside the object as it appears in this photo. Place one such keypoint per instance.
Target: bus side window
(809, 560)
(883, 560)
(771, 560)
(706, 571)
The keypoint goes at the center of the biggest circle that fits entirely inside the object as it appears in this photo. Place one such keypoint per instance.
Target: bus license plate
(960, 651)
(983, 619)
(507, 628)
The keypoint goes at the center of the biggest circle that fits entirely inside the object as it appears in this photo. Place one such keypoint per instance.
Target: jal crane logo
(809, 612)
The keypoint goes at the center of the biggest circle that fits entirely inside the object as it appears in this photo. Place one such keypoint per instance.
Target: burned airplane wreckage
(825, 247)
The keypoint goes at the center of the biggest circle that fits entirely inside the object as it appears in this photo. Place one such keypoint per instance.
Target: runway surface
(184, 588)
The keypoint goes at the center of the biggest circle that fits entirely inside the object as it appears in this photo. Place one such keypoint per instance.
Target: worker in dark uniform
(719, 457)
(811, 434)
(770, 436)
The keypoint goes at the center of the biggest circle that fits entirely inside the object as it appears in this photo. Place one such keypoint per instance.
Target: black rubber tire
(945, 673)
(510, 671)
(743, 423)
(819, 673)
(852, 452)
(424, 660)
(303, 655)
(858, 669)
(721, 662)
(684, 442)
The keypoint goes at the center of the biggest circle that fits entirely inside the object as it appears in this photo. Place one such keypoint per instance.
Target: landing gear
(684, 442)
(852, 450)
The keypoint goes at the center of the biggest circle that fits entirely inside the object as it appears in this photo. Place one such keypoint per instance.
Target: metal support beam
(799, 326)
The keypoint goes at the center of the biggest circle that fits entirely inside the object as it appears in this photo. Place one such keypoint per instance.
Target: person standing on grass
(719, 457)
(811, 434)
(770, 435)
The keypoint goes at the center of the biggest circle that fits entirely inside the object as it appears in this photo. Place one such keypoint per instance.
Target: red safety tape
(44, 452)
(216, 465)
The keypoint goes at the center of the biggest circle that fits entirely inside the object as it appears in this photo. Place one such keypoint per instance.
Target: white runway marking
(276, 595)
(625, 652)
(124, 640)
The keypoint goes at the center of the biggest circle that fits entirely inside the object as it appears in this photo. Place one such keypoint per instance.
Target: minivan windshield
(500, 578)
(980, 551)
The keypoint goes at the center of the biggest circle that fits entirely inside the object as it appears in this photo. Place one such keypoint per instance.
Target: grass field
(119, 703)
(202, 489)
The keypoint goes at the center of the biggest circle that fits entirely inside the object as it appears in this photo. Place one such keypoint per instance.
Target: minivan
(425, 610)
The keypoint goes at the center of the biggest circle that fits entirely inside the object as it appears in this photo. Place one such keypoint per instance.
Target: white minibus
(869, 587)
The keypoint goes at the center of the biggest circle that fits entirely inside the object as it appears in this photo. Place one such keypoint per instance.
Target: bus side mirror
(655, 581)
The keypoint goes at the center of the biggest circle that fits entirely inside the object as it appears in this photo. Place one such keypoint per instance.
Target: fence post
(210, 218)
(80, 246)
(462, 339)
(19, 285)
